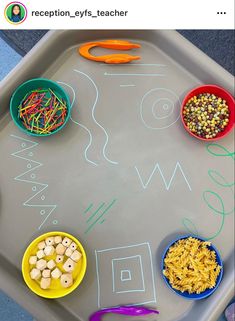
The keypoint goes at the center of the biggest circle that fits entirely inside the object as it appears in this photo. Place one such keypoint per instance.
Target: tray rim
(203, 61)
(18, 75)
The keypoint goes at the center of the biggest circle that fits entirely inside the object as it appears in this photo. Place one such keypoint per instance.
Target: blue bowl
(187, 295)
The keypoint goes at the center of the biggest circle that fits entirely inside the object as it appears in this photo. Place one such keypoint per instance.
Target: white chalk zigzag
(42, 186)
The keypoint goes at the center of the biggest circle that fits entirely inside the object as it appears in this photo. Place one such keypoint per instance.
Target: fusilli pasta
(190, 266)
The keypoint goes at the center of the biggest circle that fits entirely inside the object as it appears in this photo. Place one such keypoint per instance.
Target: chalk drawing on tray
(145, 183)
(94, 118)
(214, 201)
(134, 65)
(116, 269)
(96, 215)
(79, 124)
(38, 188)
(136, 75)
(127, 85)
(159, 108)
(125, 274)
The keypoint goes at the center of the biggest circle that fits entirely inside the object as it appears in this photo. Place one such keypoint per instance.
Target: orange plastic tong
(110, 44)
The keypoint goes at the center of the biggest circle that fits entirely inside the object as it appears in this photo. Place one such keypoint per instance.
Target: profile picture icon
(15, 12)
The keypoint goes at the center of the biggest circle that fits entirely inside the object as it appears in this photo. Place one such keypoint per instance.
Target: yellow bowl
(55, 290)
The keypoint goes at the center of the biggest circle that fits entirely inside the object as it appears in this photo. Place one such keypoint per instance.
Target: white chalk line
(129, 74)
(93, 116)
(127, 85)
(167, 186)
(141, 108)
(44, 186)
(81, 125)
(124, 248)
(133, 65)
(142, 274)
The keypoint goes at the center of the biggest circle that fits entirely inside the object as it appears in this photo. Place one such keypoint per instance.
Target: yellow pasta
(190, 266)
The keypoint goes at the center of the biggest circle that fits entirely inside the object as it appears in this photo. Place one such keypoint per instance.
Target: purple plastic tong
(125, 310)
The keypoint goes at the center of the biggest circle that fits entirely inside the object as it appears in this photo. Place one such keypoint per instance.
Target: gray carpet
(11, 311)
(218, 44)
(22, 40)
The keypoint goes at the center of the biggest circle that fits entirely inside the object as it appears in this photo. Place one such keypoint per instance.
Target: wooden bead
(46, 273)
(68, 252)
(69, 265)
(49, 240)
(73, 246)
(51, 264)
(56, 273)
(60, 249)
(76, 256)
(41, 245)
(45, 283)
(66, 280)
(49, 250)
(66, 242)
(58, 239)
(41, 264)
(33, 260)
(35, 274)
(40, 254)
(59, 258)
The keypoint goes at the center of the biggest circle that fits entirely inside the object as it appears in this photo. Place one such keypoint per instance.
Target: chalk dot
(34, 188)
(32, 175)
(29, 165)
(43, 197)
(165, 106)
(42, 212)
(55, 222)
(30, 154)
(23, 145)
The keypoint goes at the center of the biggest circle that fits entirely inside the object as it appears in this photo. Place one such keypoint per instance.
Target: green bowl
(25, 88)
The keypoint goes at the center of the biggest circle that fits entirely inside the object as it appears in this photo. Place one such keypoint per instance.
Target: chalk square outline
(126, 247)
(142, 274)
(124, 279)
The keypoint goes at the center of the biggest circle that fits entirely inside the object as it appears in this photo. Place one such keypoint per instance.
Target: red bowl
(220, 92)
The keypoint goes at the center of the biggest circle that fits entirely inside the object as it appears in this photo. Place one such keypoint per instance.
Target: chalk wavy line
(81, 125)
(19, 178)
(93, 116)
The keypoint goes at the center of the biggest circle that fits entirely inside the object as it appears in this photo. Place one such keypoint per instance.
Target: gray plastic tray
(123, 176)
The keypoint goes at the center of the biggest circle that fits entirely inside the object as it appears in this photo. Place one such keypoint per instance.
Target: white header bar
(122, 14)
